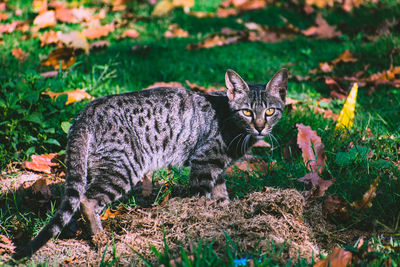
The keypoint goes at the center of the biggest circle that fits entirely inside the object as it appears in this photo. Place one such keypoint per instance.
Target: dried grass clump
(251, 223)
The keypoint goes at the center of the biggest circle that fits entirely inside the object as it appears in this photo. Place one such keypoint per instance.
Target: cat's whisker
(231, 142)
(277, 143)
(245, 143)
(272, 143)
(240, 140)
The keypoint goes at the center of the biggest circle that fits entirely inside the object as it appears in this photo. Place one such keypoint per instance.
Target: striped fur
(117, 139)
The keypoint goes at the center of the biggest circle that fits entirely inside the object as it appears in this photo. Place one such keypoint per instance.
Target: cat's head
(259, 107)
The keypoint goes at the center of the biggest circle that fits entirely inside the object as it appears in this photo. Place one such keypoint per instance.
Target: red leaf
(306, 140)
(319, 185)
(338, 258)
(322, 30)
(41, 163)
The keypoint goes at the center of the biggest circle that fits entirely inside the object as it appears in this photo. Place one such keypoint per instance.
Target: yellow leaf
(347, 113)
(73, 96)
(162, 8)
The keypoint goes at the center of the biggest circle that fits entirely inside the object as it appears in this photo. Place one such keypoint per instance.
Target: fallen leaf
(99, 44)
(41, 163)
(201, 14)
(366, 201)
(3, 16)
(73, 96)
(41, 186)
(175, 31)
(82, 13)
(75, 40)
(346, 115)
(130, 34)
(307, 139)
(202, 89)
(250, 165)
(346, 56)
(334, 206)
(163, 84)
(322, 30)
(162, 8)
(291, 101)
(226, 12)
(227, 36)
(111, 213)
(319, 185)
(45, 19)
(6, 245)
(320, 3)
(97, 32)
(338, 258)
(49, 37)
(65, 15)
(252, 5)
(49, 74)
(337, 91)
(147, 184)
(64, 55)
(39, 6)
(19, 54)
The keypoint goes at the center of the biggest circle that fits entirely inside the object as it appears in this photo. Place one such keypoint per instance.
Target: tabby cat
(117, 139)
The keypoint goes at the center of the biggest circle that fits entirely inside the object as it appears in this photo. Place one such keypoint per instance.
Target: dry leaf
(252, 5)
(6, 245)
(306, 140)
(19, 54)
(64, 55)
(319, 185)
(163, 84)
(366, 201)
(202, 89)
(130, 34)
(39, 6)
(201, 14)
(147, 184)
(227, 36)
(175, 31)
(251, 165)
(49, 37)
(320, 3)
(41, 186)
(65, 15)
(45, 19)
(99, 44)
(322, 30)
(338, 258)
(346, 115)
(73, 96)
(75, 40)
(110, 213)
(226, 12)
(3, 16)
(334, 205)
(82, 13)
(49, 74)
(162, 8)
(41, 163)
(337, 91)
(346, 56)
(97, 32)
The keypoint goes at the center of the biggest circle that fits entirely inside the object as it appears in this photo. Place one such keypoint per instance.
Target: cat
(117, 139)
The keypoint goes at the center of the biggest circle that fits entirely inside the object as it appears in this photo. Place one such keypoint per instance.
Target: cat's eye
(270, 111)
(247, 112)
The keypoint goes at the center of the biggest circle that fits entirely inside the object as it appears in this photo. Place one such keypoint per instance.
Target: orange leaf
(97, 32)
(75, 40)
(163, 84)
(48, 38)
(175, 31)
(319, 185)
(64, 55)
(109, 213)
(366, 201)
(66, 15)
(338, 258)
(41, 186)
(45, 19)
(227, 36)
(19, 54)
(3, 16)
(226, 12)
(130, 34)
(322, 30)
(41, 163)
(73, 96)
(147, 184)
(39, 6)
(306, 140)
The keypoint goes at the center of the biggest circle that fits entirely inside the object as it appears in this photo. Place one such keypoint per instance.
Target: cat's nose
(259, 128)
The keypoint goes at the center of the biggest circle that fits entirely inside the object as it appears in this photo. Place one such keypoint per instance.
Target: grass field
(31, 122)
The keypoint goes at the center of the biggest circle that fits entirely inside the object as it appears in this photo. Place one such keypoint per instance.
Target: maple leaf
(19, 54)
(41, 163)
(306, 140)
(75, 40)
(322, 30)
(163, 84)
(346, 115)
(130, 34)
(41, 186)
(73, 96)
(338, 258)
(147, 184)
(319, 185)
(97, 32)
(175, 31)
(45, 19)
(64, 55)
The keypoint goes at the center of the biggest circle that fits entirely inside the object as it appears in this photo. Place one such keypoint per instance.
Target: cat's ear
(278, 84)
(235, 84)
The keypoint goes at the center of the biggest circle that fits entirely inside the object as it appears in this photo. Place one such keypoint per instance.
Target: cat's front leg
(207, 179)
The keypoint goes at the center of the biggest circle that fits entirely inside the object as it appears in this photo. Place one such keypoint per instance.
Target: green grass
(30, 122)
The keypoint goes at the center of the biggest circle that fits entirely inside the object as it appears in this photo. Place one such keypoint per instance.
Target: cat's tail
(74, 190)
